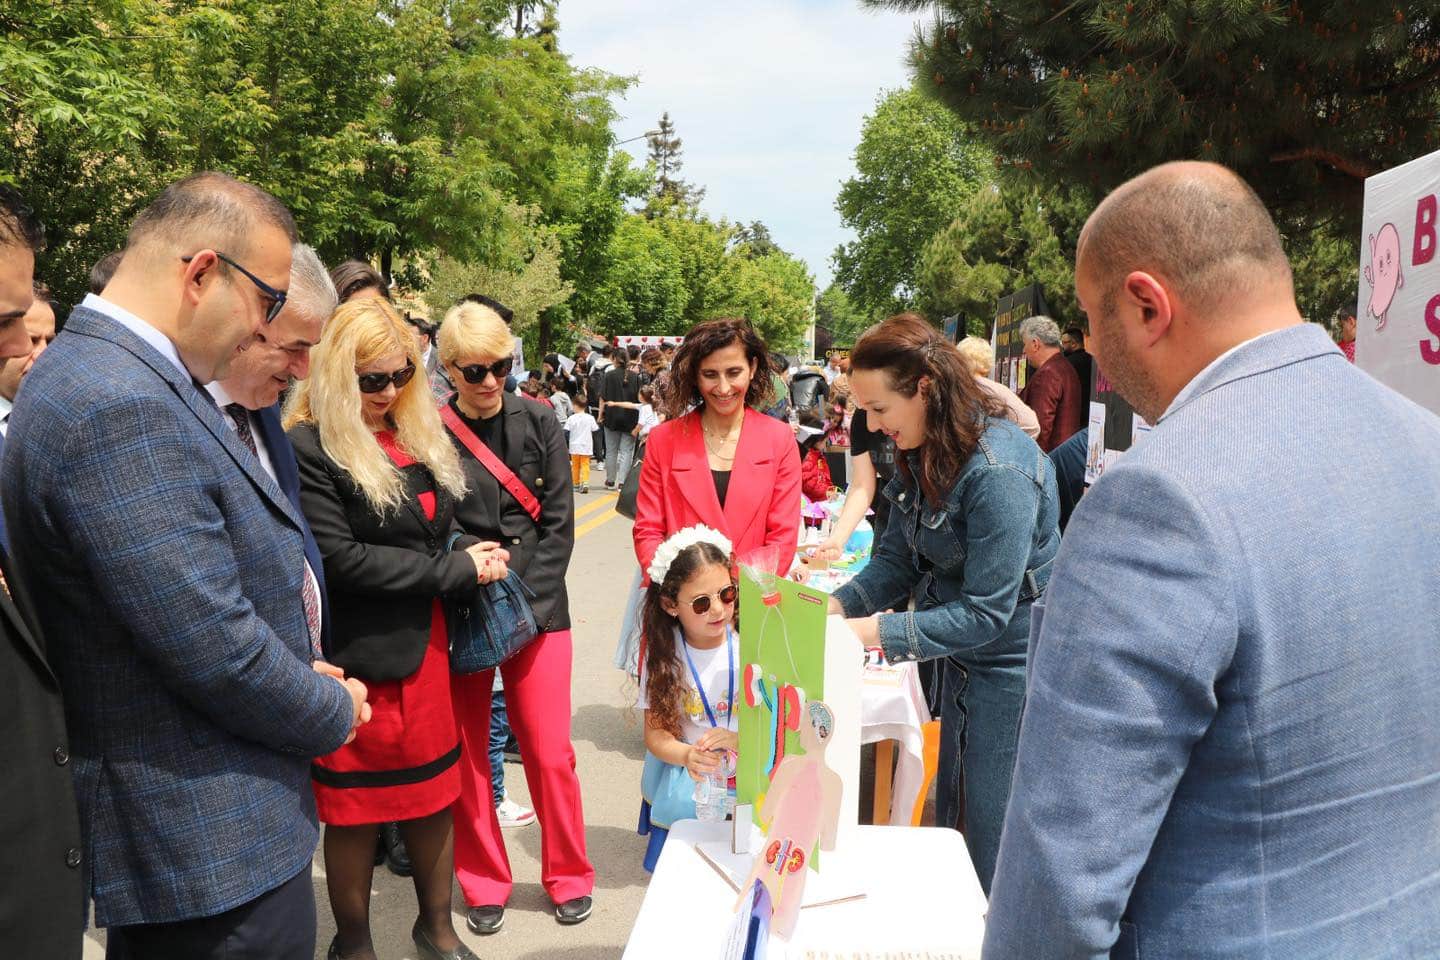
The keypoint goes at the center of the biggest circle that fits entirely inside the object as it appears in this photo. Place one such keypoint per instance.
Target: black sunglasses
(277, 297)
(701, 604)
(375, 382)
(475, 372)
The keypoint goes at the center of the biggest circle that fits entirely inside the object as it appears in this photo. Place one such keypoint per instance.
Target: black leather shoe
(485, 920)
(428, 950)
(573, 911)
(334, 952)
(396, 856)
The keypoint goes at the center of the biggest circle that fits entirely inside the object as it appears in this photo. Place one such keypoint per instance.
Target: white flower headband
(671, 549)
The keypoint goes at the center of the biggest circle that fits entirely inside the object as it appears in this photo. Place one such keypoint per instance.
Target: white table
(922, 901)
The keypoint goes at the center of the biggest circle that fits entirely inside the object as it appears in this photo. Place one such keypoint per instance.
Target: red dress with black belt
(403, 763)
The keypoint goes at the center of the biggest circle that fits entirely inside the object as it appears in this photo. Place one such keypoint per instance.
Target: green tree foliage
(81, 140)
(527, 280)
(915, 168)
(451, 142)
(394, 129)
(774, 291)
(838, 322)
(670, 196)
(1304, 98)
(1005, 238)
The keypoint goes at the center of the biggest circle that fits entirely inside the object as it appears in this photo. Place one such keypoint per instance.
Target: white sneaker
(512, 814)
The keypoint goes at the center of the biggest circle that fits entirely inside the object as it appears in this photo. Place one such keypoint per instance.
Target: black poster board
(1122, 426)
(1010, 312)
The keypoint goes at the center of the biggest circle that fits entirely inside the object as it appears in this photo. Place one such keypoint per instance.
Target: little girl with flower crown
(689, 679)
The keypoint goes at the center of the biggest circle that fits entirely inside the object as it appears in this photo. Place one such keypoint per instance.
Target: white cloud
(768, 96)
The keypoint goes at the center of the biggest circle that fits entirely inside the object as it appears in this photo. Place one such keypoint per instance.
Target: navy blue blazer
(173, 618)
(287, 474)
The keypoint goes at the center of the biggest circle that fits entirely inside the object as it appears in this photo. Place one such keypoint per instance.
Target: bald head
(207, 210)
(1197, 227)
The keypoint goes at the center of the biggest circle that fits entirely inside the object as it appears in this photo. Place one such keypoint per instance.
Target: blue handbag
(493, 626)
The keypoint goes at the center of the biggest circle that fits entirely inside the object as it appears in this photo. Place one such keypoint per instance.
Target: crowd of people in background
(240, 490)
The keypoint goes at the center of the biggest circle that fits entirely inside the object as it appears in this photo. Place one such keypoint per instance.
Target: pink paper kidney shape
(1383, 272)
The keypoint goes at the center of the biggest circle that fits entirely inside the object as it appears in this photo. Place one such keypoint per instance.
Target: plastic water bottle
(712, 798)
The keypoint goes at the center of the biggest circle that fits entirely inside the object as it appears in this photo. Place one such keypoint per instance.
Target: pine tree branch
(1356, 169)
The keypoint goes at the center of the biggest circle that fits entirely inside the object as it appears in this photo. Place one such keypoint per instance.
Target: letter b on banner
(1424, 250)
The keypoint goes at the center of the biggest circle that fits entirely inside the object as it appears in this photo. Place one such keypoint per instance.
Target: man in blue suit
(250, 394)
(1229, 746)
(175, 605)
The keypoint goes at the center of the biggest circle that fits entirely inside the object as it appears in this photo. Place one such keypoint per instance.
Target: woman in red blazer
(724, 464)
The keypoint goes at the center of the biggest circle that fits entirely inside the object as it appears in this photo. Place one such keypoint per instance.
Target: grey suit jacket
(167, 572)
(1230, 744)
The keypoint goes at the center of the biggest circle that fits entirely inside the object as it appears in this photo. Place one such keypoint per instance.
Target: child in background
(648, 419)
(689, 677)
(814, 471)
(580, 427)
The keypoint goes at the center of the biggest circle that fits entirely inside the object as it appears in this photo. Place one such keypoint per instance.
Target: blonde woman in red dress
(379, 483)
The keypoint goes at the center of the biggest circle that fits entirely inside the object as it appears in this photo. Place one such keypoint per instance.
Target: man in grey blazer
(1230, 745)
(174, 603)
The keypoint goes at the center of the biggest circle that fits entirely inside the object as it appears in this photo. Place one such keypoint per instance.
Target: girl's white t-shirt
(714, 674)
(648, 420)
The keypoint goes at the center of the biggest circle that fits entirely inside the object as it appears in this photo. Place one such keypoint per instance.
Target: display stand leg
(884, 773)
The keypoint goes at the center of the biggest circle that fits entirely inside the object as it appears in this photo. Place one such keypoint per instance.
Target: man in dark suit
(176, 605)
(250, 394)
(1072, 342)
(42, 915)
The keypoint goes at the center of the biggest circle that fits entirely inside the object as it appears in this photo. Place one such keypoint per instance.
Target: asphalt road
(608, 750)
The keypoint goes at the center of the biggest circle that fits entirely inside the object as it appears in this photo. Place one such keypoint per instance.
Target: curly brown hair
(664, 677)
(908, 349)
(703, 340)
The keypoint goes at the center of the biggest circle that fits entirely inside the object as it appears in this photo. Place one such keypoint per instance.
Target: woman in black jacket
(379, 484)
(536, 524)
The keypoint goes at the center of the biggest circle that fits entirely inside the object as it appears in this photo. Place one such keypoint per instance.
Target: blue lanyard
(700, 687)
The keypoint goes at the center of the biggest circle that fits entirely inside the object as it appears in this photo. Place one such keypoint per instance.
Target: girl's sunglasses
(701, 604)
(475, 372)
(375, 382)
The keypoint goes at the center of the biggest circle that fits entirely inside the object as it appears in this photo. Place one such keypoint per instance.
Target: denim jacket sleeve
(890, 575)
(1119, 692)
(999, 506)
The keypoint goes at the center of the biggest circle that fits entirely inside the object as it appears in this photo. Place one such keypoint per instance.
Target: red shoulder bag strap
(490, 462)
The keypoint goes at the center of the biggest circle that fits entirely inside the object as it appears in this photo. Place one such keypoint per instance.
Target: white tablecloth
(922, 901)
(897, 711)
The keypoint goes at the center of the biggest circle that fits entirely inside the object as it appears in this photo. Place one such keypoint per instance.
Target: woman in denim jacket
(971, 537)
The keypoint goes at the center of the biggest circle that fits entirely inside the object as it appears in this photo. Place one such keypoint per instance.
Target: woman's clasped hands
(491, 561)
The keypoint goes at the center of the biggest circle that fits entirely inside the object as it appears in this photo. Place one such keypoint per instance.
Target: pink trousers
(537, 700)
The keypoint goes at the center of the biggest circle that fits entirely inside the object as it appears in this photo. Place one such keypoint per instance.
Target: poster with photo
(1095, 448)
(1118, 432)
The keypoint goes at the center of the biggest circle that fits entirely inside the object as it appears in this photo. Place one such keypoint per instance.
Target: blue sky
(768, 96)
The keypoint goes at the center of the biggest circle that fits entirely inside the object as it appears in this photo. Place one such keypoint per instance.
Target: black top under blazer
(382, 571)
(535, 450)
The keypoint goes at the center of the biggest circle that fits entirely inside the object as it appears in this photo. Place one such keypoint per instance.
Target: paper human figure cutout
(1383, 273)
(803, 809)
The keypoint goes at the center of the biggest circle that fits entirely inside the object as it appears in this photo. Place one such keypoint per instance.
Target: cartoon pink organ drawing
(1383, 272)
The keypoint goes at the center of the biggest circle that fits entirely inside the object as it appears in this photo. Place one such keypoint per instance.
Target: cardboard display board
(643, 342)
(791, 652)
(1397, 313)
